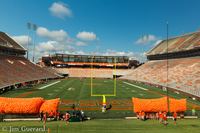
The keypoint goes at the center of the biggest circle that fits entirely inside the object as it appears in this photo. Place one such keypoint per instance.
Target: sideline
(135, 86)
(48, 85)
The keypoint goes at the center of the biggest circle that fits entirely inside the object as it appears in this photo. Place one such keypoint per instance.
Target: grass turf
(77, 91)
(109, 126)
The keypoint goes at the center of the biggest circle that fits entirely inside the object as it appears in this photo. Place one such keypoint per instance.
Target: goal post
(114, 81)
(104, 95)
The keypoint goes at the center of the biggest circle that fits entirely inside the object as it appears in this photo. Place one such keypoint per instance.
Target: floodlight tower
(34, 28)
(28, 41)
(31, 27)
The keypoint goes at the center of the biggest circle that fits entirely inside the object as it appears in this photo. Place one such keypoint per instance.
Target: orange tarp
(20, 105)
(159, 104)
(177, 105)
(27, 105)
(50, 106)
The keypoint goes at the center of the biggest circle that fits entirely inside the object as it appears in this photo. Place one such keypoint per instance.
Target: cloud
(80, 43)
(53, 46)
(22, 39)
(87, 36)
(60, 10)
(146, 39)
(46, 46)
(57, 35)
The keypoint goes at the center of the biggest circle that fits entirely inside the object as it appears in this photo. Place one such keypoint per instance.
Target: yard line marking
(135, 86)
(49, 85)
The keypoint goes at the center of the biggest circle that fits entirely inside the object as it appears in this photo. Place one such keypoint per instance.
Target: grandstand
(176, 66)
(16, 70)
(80, 65)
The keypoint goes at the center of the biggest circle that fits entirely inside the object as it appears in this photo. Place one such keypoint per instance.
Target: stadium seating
(87, 72)
(14, 70)
(181, 43)
(183, 74)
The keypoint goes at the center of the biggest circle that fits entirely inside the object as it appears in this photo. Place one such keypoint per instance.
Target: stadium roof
(66, 55)
(177, 44)
(8, 42)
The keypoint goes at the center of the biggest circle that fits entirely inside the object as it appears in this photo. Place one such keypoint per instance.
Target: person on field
(51, 114)
(44, 119)
(174, 117)
(165, 118)
(160, 117)
(157, 116)
(140, 115)
(143, 116)
(57, 115)
(67, 117)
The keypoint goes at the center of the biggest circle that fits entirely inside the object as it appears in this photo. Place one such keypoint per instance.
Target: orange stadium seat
(183, 73)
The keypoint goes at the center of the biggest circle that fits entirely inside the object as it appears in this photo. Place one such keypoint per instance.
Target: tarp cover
(27, 105)
(50, 106)
(159, 104)
(20, 105)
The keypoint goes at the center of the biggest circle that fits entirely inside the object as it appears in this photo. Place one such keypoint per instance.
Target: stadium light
(28, 41)
(31, 27)
(34, 28)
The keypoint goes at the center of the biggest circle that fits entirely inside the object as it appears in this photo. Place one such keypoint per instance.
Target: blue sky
(122, 27)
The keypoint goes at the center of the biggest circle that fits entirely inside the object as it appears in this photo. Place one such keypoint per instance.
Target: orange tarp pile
(177, 105)
(20, 105)
(50, 106)
(159, 104)
(27, 105)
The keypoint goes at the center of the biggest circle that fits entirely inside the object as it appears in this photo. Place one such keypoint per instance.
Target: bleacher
(94, 72)
(177, 44)
(183, 74)
(14, 68)
(171, 66)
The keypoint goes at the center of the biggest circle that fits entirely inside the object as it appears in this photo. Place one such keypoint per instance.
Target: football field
(78, 91)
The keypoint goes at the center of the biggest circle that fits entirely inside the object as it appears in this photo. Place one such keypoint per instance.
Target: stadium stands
(171, 66)
(183, 74)
(88, 72)
(14, 68)
(181, 43)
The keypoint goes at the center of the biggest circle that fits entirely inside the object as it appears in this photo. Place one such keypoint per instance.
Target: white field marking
(49, 85)
(135, 86)
(71, 89)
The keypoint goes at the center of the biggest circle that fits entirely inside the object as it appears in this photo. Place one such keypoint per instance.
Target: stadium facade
(70, 60)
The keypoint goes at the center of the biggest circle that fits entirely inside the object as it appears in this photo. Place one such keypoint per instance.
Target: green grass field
(107, 126)
(77, 91)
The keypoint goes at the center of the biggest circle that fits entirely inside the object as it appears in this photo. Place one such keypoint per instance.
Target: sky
(100, 27)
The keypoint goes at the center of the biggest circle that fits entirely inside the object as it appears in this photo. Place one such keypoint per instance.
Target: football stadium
(63, 92)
